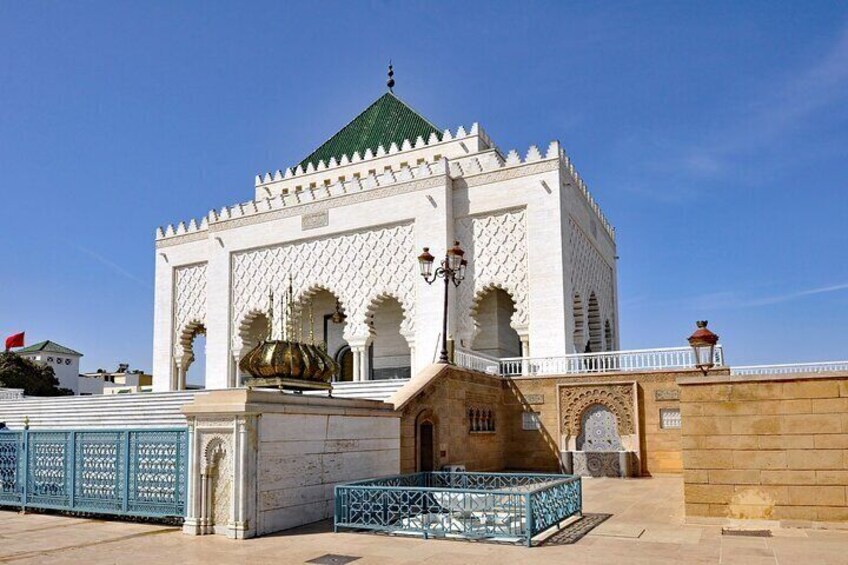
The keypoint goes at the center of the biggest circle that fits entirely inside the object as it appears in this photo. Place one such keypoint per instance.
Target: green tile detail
(50, 346)
(388, 120)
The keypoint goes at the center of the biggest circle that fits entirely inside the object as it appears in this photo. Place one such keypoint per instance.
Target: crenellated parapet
(410, 152)
(293, 200)
(491, 160)
(468, 162)
(584, 190)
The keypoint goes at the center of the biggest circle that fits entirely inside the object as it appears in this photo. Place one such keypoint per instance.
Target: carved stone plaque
(316, 220)
(534, 398)
(667, 394)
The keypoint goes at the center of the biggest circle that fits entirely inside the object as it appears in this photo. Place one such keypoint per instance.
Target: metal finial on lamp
(391, 82)
(703, 343)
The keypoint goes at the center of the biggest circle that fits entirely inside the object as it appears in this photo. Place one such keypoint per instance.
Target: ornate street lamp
(452, 270)
(703, 343)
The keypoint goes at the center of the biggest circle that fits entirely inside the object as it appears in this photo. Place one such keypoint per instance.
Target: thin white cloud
(795, 295)
(784, 106)
(112, 265)
(730, 299)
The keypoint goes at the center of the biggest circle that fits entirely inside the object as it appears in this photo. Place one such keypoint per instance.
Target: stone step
(142, 410)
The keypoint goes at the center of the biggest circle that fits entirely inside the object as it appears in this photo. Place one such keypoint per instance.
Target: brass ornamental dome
(288, 363)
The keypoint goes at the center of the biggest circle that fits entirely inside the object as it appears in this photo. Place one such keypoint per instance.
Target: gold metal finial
(311, 325)
(391, 82)
(270, 313)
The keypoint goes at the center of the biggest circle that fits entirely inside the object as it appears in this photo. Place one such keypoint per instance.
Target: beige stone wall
(773, 447)
(660, 451)
(445, 399)
(447, 392)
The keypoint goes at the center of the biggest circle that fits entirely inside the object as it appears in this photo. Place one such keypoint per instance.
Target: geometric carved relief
(589, 273)
(189, 301)
(358, 268)
(574, 400)
(496, 249)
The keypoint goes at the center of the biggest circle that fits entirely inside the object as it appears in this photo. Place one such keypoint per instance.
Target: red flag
(16, 340)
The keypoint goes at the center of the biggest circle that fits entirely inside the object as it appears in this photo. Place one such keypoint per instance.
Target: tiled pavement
(645, 526)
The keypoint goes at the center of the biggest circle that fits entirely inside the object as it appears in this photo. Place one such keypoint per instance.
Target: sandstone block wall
(445, 400)
(660, 448)
(446, 394)
(773, 447)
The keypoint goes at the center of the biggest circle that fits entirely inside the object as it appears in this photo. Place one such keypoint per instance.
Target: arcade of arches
(384, 354)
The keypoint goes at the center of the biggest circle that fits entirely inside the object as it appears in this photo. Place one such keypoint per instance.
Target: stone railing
(477, 361)
(604, 362)
(11, 393)
(790, 368)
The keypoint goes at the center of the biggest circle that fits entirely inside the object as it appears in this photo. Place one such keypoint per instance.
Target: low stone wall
(766, 447)
(658, 448)
(302, 457)
(263, 461)
(445, 394)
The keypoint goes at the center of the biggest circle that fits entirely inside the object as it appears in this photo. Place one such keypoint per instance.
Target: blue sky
(715, 137)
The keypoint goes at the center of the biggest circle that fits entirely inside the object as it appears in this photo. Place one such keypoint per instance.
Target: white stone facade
(355, 227)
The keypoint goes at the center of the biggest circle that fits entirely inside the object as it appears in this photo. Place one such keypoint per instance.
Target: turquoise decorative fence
(126, 472)
(507, 506)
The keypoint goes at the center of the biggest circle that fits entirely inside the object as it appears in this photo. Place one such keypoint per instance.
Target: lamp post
(452, 269)
(703, 343)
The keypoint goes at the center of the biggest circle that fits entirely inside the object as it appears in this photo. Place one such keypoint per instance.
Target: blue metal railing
(469, 505)
(126, 472)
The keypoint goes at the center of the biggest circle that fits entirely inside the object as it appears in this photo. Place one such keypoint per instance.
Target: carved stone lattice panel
(574, 400)
(496, 248)
(359, 268)
(590, 273)
(189, 300)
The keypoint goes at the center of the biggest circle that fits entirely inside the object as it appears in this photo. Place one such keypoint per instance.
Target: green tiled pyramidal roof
(388, 120)
(51, 346)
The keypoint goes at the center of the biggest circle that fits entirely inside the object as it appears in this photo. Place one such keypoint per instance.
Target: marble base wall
(302, 457)
(262, 461)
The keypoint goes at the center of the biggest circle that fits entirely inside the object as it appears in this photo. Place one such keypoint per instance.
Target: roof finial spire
(391, 82)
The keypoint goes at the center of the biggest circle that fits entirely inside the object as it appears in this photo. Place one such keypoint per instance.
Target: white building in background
(64, 360)
(120, 381)
(347, 224)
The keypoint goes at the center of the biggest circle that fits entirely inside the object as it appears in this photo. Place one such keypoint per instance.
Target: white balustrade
(604, 362)
(477, 361)
(790, 368)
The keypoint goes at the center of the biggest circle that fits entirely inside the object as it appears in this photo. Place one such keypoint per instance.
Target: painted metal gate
(120, 472)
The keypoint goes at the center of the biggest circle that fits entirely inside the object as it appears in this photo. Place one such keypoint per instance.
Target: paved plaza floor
(635, 521)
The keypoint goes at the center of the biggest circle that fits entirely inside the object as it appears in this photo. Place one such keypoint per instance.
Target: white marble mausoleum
(347, 224)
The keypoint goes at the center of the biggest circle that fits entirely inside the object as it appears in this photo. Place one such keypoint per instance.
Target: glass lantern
(703, 343)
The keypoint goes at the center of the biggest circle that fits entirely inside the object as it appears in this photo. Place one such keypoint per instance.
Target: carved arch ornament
(355, 267)
(574, 400)
(214, 453)
(189, 308)
(487, 240)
